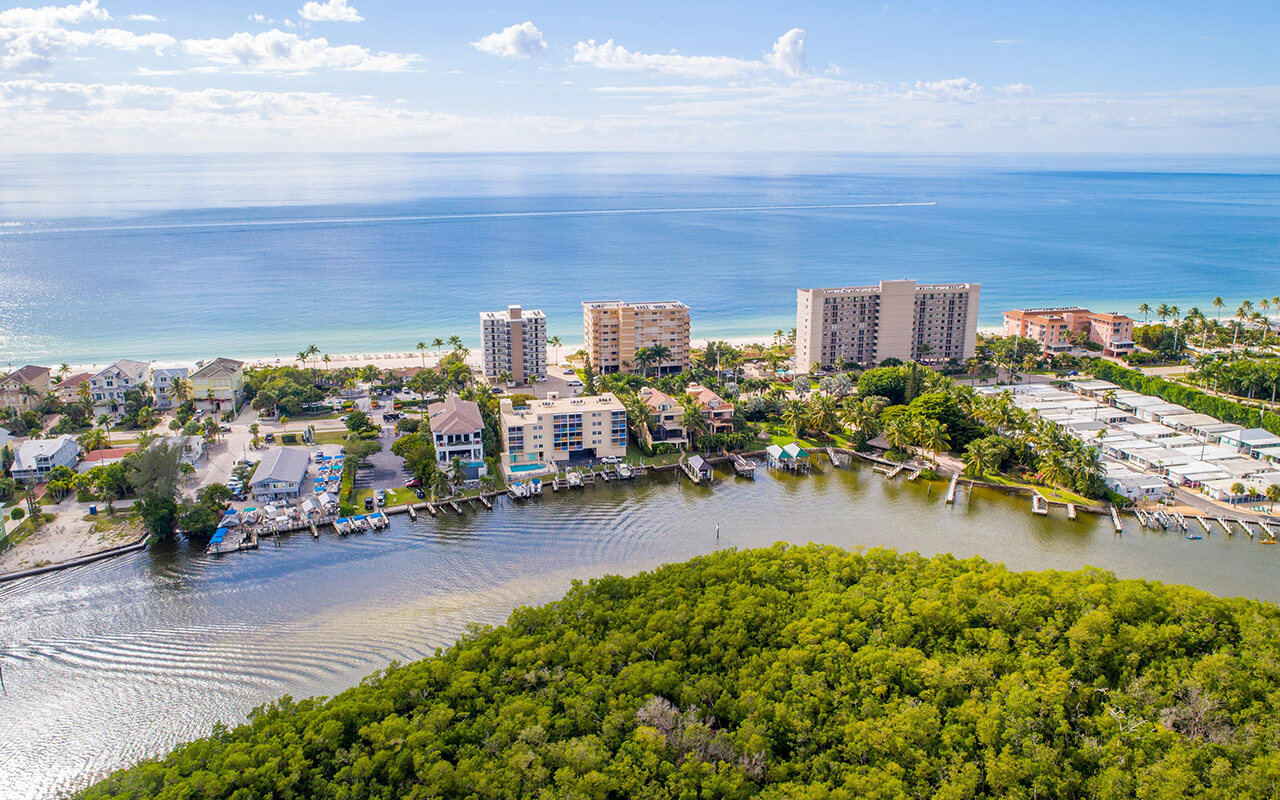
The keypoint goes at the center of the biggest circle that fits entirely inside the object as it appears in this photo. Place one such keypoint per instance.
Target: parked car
(419, 492)
(570, 372)
(574, 382)
(497, 390)
(224, 428)
(412, 483)
(270, 438)
(368, 504)
(610, 460)
(381, 497)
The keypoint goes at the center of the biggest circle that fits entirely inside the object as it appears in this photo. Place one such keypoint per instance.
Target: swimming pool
(525, 467)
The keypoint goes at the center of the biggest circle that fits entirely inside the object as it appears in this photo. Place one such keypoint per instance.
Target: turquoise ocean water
(168, 257)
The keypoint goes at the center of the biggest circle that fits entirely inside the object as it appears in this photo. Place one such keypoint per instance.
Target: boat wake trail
(460, 217)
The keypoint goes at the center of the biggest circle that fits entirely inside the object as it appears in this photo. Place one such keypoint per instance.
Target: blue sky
(101, 75)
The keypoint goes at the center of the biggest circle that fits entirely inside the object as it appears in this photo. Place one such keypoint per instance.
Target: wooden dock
(1203, 524)
(315, 532)
(413, 515)
(745, 468)
(1115, 520)
(951, 490)
(1071, 511)
(896, 471)
(1039, 505)
(915, 473)
(484, 501)
(1226, 528)
(454, 505)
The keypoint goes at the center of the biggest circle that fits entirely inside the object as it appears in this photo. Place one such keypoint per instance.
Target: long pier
(1115, 520)
(896, 471)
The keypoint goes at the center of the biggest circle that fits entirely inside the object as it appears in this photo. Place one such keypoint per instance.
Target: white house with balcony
(34, 458)
(108, 388)
(457, 431)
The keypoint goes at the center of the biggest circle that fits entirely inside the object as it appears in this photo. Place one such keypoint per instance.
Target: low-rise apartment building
(108, 388)
(514, 342)
(615, 331)
(25, 388)
(68, 389)
(558, 430)
(457, 430)
(1058, 329)
(932, 323)
(218, 385)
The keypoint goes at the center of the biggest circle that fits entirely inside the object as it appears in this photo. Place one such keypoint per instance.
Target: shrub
(17, 514)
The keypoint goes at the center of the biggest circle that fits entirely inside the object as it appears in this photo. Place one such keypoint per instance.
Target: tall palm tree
(326, 358)
(693, 420)
(1242, 314)
(660, 353)
(181, 389)
(795, 417)
(555, 342)
(933, 437)
(437, 343)
(422, 351)
(455, 341)
(642, 359)
(1218, 303)
(824, 414)
(1145, 308)
(899, 433)
(1163, 313)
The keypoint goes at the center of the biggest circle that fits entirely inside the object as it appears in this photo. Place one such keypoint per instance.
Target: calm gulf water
(112, 662)
(191, 256)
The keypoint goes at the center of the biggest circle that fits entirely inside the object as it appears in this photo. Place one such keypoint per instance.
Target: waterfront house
(791, 457)
(280, 475)
(218, 385)
(34, 458)
(666, 417)
(68, 389)
(558, 431)
(25, 388)
(107, 389)
(700, 468)
(457, 430)
(717, 411)
(162, 381)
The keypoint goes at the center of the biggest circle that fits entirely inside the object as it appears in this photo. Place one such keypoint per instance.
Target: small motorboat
(575, 480)
(535, 487)
(1194, 536)
(625, 471)
(519, 490)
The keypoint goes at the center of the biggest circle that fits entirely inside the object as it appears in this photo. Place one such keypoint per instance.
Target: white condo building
(932, 323)
(514, 341)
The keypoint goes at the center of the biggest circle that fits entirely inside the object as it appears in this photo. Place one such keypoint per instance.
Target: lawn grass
(636, 455)
(396, 496)
(1050, 492)
(330, 437)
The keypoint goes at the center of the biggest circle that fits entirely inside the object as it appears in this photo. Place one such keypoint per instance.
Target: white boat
(625, 471)
(535, 486)
(575, 480)
(519, 490)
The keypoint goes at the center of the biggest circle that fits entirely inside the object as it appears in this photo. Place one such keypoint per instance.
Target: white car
(570, 372)
(574, 382)
(610, 460)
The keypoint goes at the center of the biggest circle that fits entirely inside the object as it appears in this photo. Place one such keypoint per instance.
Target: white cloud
(53, 16)
(32, 51)
(142, 18)
(277, 51)
(787, 57)
(330, 11)
(514, 41)
(960, 90)
(259, 18)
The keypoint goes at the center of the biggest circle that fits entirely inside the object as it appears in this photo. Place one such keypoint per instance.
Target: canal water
(113, 662)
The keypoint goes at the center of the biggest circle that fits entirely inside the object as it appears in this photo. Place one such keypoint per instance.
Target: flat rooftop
(664, 305)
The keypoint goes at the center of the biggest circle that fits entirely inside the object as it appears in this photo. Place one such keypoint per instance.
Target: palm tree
(660, 353)
(437, 343)
(642, 359)
(312, 350)
(1163, 313)
(253, 432)
(422, 350)
(933, 437)
(439, 484)
(455, 342)
(326, 358)
(1218, 303)
(824, 414)
(1145, 308)
(794, 416)
(181, 389)
(1273, 494)
(1242, 314)
(692, 419)
(94, 439)
(555, 342)
(900, 434)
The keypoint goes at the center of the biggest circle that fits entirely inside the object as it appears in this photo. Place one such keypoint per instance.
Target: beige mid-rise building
(514, 341)
(932, 323)
(560, 429)
(1053, 328)
(615, 330)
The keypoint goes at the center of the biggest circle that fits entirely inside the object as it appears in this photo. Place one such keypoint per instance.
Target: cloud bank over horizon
(326, 75)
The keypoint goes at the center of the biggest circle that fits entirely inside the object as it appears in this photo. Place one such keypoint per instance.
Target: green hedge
(1194, 399)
